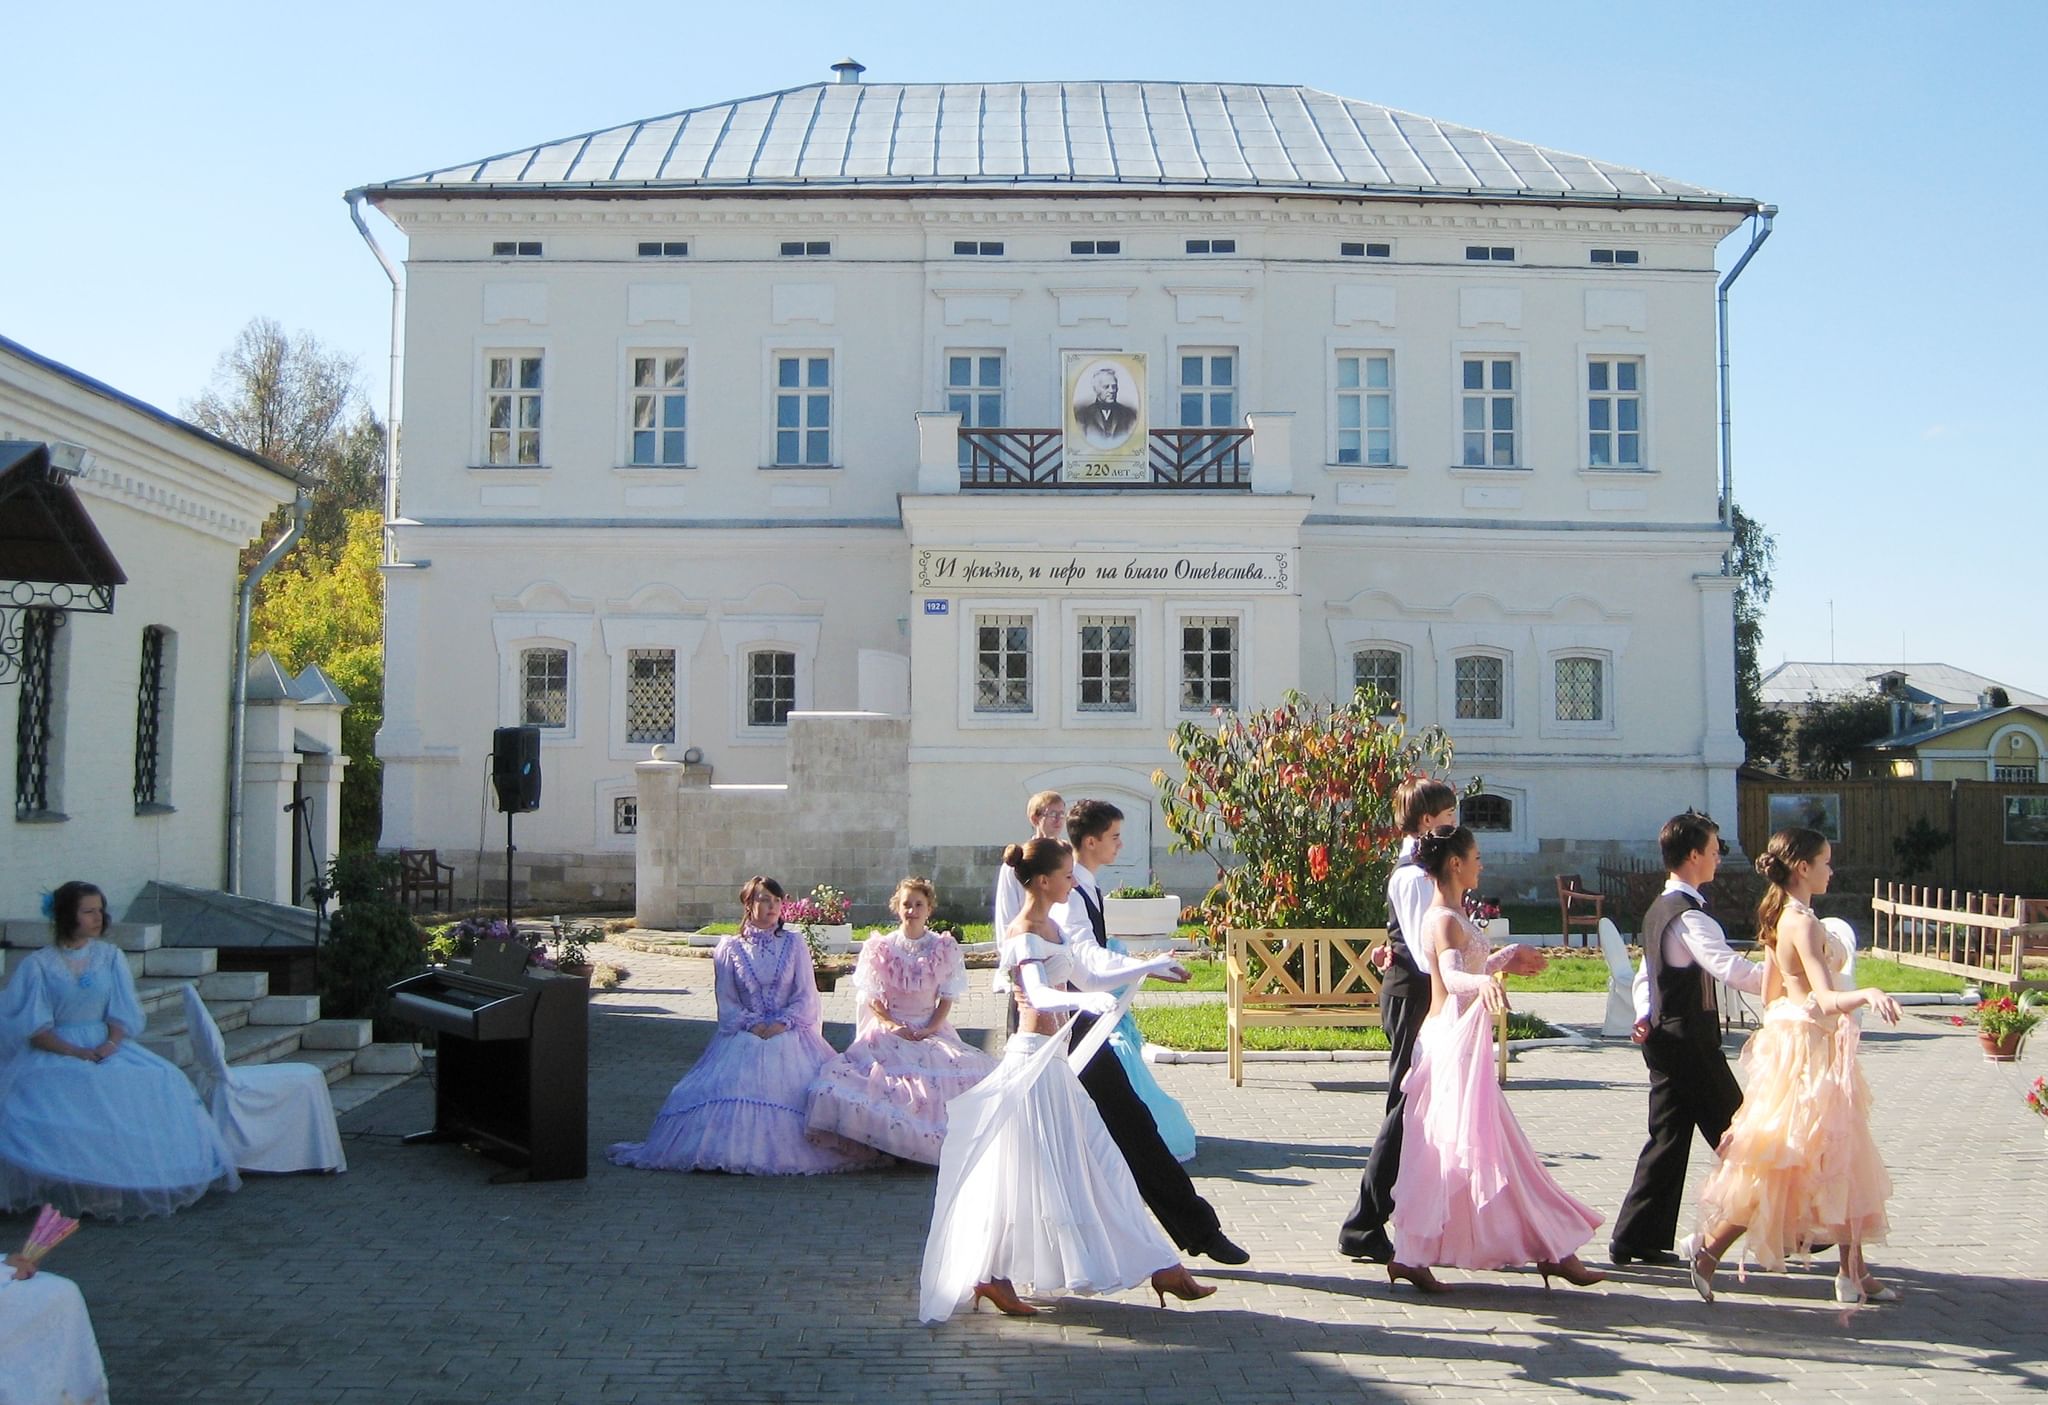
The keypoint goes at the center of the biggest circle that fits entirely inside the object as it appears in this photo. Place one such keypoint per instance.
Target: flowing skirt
(1472, 1192)
(891, 1093)
(1798, 1165)
(1033, 1189)
(741, 1109)
(48, 1354)
(123, 1138)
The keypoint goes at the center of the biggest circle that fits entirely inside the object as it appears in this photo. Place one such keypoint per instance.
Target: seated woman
(47, 1348)
(890, 1088)
(90, 1121)
(740, 1108)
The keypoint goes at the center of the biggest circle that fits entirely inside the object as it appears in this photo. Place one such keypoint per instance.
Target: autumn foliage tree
(1295, 806)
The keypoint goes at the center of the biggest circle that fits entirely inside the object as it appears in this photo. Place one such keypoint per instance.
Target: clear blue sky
(172, 172)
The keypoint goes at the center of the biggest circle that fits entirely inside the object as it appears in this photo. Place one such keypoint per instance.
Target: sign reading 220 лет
(1206, 572)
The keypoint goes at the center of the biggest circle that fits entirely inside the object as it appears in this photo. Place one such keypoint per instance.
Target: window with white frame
(1208, 389)
(512, 405)
(803, 410)
(1002, 663)
(659, 408)
(650, 695)
(1108, 663)
(1488, 408)
(625, 814)
(1580, 687)
(974, 392)
(1488, 814)
(544, 687)
(1365, 407)
(1379, 670)
(1614, 412)
(1208, 662)
(1479, 684)
(771, 687)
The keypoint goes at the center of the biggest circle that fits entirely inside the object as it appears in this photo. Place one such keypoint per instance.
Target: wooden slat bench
(1307, 978)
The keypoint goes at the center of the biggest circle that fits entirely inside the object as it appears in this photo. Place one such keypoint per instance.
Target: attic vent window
(516, 249)
(664, 249)
(1096, 246)
(1616, 256)
(806, 248)
(1483, 253)
(1350, 250)
(984, 248)
(1212, 246)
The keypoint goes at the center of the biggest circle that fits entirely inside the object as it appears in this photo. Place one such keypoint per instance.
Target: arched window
(1379, 669)
(1480, 681)
(1581, 689)
(544, 687)
(1487, 813)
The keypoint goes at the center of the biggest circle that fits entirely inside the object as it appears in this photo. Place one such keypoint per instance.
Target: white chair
(1842, 932)
(1620, 1021)
(274, 1117)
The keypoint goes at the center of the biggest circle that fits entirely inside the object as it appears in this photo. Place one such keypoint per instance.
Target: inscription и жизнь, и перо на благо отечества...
(1105, 570)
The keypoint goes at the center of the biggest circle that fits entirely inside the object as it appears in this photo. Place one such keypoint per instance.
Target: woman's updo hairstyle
(1037, 858)
(1438, 847)
(1788, 849)
(64, 907)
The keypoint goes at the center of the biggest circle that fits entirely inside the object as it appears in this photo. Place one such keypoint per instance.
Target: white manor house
(884, 453)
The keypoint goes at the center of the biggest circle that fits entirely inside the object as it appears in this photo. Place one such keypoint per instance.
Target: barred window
(34, 727)
(2010, 774)
(771, 688)
(1002, 663)
(1581, 696)
(650, 695)
(1493, 813)
(1208, 663)
(626, 814)
(149, 716)
(1478, 680)
(544, 687)
(1378, 670)
(1108, 663)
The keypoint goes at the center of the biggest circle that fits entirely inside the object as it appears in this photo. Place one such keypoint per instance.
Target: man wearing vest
(1678, 1023)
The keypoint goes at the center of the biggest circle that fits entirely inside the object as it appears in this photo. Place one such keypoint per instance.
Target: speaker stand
(511, 928)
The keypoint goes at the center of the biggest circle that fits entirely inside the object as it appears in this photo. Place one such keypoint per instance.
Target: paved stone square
(412, 1280)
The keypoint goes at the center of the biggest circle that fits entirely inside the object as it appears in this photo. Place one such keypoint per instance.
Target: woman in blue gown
(90, 1121)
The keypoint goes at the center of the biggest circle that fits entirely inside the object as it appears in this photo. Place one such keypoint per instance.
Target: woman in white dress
(90, 1121)
(48, 1354)
(1032, 1189)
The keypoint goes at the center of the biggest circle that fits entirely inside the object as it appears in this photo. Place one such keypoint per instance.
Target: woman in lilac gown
(1471, 1192)
(890, 1088)
(740, 1108)
(91, 1121)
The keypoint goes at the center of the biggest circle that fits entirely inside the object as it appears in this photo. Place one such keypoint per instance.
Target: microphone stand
(317, 891)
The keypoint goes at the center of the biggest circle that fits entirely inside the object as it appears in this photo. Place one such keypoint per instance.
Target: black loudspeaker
(515, 768)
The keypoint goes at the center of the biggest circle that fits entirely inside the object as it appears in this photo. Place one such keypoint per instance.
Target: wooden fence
(1983, 937)
(1992, 850)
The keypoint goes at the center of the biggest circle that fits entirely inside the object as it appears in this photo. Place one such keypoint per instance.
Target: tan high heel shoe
(1003, 1297)
(1570, 1270)
(1179, 1282)
(1422, 1278)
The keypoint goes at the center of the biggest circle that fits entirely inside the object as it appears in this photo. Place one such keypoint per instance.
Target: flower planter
(836, 937)
(2000, 1050)
(1141, 917)
(575, 968)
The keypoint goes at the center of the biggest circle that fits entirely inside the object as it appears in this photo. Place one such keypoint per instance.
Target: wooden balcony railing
(1210, 459)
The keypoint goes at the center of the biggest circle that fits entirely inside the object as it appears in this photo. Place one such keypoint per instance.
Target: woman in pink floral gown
(890, 1088)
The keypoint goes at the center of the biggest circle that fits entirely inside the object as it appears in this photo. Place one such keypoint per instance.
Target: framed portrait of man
(1106, 439)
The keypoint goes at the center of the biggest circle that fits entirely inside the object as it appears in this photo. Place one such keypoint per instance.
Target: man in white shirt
(1677, 1023)
(1047, 812)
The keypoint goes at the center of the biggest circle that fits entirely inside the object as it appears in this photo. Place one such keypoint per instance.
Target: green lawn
(1202, 1027)
(1896, 978)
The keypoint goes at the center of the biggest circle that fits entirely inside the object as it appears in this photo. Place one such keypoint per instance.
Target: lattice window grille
(1002, 663)
(544, 687)
(1490, 813)
(626, 814)
(1378, 669)
(1580, 696)
(1108, 663)
(650, 695)
(771, 688)
(149, 716)
(2012, 774)
(33, 730)
(1478, 689)
(1208, 662)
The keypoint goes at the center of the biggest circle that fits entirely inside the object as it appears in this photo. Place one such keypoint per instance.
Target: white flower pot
(1141, 917)
(838, 937)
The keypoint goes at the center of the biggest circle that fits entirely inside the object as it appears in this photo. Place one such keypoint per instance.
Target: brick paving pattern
(412, 1280)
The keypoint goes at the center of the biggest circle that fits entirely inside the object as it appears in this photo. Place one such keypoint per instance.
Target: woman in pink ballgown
(1471, 1192)
(1798, 1164)
(740, 1108)
(890, 1088)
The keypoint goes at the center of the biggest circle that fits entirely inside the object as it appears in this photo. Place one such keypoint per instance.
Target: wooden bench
(1308, 978)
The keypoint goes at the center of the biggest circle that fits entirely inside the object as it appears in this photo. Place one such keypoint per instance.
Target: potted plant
(2037, 1099)
(571, 943)
(1140, 910)
(2003, 1024)
(821, 918)
(1485, 914)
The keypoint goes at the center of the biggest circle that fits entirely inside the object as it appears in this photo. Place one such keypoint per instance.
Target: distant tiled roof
(1133, 136)
(1793, 682)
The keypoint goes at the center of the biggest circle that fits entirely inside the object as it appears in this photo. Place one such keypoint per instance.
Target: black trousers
(1188, 1219)
(1692, 1089)
(1404, 1004)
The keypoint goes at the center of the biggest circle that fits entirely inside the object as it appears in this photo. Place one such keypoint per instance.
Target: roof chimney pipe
(849, 70)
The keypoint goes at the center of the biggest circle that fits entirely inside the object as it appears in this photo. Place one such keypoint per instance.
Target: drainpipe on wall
(238, 711)
(355, 212)
(1756, 241)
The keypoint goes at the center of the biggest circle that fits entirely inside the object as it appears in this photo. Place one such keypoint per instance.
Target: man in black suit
(1679, 1026)
(1105, 421)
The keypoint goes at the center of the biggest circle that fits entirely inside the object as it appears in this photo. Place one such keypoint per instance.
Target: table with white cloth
(48, 1354)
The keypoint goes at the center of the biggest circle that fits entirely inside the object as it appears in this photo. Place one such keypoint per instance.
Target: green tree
(1751, 555)
(313, 609)
(1832, 730)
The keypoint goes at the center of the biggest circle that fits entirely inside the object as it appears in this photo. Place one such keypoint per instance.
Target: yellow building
(1983, 744)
